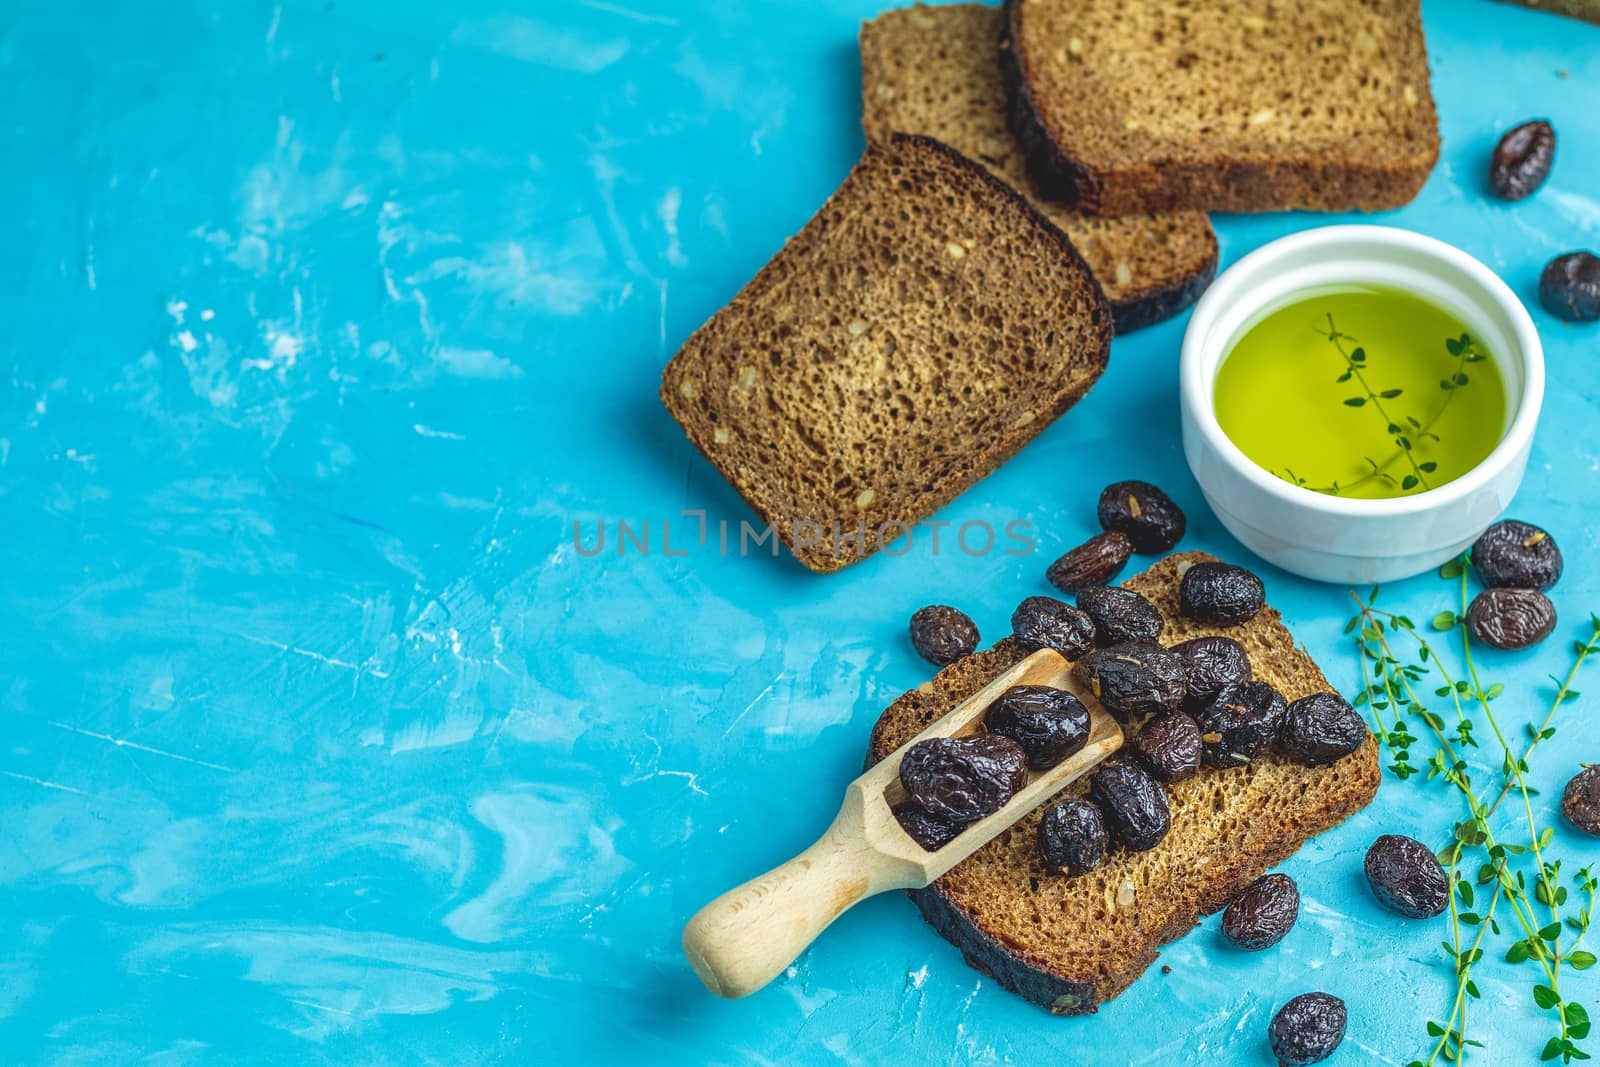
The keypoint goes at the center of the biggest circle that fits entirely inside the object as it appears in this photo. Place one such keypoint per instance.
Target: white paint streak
(443, 435)
(637, 16)
(44, 783)
(124, 743)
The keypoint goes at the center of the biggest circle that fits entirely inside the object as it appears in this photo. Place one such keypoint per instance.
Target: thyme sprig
(1525, 875)
(1408, 432)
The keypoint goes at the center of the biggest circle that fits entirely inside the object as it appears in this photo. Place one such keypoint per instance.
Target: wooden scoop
(740, 941)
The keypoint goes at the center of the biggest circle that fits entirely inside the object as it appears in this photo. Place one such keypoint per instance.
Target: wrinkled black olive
(962, 779)
(1569, 288)
(1511, 618)
(1136, 678)
(1321, 728)
(1580, 800)
(1095, 562)
(1134, 805)
(1239, 724)
(1049, 724)
(1119, 615)
(1169, 746)
(931, 831)
(1072, 836)
(1211, 664)
(1522, 160)
(1045, 622)
(1147, 515)
(1307, 1029)
(942, 635)
(1263, 914)
(1518, 555)
(1406, 877)
(1220, 594)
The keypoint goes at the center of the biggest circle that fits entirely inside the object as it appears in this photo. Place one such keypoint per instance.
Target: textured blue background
(321, 744)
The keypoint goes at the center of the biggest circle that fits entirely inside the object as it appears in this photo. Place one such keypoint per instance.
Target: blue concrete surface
(321, 743)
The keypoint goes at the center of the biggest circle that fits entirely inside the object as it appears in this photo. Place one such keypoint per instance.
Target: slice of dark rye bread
(1072, 943)
(1226, 105)
(936, 71)
(916, 333)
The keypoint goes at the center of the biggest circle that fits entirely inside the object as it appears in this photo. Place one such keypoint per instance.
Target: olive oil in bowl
(1361, 392)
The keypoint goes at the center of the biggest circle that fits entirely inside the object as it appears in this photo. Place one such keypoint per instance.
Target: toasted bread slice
(936, 71)
(916, 333)
(1129, 105)
(1072, 943)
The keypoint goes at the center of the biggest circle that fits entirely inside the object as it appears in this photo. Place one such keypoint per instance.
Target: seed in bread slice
(1228, 105)
(936, 71)
(919, 330)
(1072, 943)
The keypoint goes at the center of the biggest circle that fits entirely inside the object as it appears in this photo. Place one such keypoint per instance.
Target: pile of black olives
(1516, 562)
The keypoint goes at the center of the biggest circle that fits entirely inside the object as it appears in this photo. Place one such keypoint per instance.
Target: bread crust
(1084, 976)
(1221, 184)
(825, 556)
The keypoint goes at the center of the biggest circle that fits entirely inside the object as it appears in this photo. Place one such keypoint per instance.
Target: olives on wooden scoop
(1321, 728)
(1211, 664)
(1220, 594)
(1569, 288)
(1072, 836)
(1406, 877)
(962, 779)
(1169, 746)
(1263, 914)
(941, 634)
(1095, 562)
(1511, 618)
(1239, 724)
(1307, 1029)
(1049, 724)
(1148, 516)
(1045, 622)
(1580, 800)
(1119, 615)
(1135, 808)
(1132, 679)
(1522, 160)
(931, 831)
(1518, 555)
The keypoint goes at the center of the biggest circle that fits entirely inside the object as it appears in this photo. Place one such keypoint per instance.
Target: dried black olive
(1072, 836)
(1516, 554)
(1406, 877)
(1263, 914)
(1049, 724)
(1095, 562)
(1147, 515)
(1045, 622)
(1580, 801)
(1239, 724)
(1321, 728)
(1136, 678)
(931, 831)
(1307, 1029)
(1119, 615)
(942, 635)
(1569, 288)
(1522, 160)
(962, 779)
(1511, 618)
(1220, 594)
(1169, 746)
(1134, 805)
(1211, 664)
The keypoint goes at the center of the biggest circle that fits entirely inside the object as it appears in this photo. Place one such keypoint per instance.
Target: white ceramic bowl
(1330, 538)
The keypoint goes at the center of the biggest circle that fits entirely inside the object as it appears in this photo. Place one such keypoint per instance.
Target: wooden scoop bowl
(743, 939)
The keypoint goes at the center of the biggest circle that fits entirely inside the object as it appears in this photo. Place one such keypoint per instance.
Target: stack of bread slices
(1035, 176)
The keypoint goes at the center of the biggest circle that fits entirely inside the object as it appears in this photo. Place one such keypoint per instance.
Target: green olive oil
(1362, 392)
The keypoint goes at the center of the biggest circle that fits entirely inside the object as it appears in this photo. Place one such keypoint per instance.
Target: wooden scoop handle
(743, 939)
